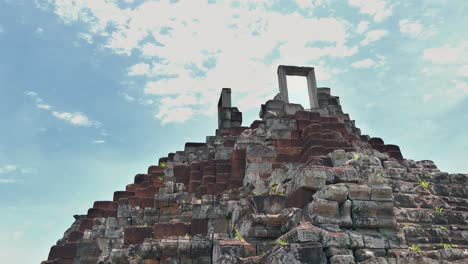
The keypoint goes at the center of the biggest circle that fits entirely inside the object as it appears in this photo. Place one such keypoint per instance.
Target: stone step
(137, 234)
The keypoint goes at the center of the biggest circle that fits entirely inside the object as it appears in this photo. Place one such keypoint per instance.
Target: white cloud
(362, 27)
(44, 106)
(139, 69)
(365, 63)
(447, 54)
(304, 4)
(210, 47)
(378, 9)
(10, 173)
(9, 168)
(39, 31)
(373, 35)
(88, 38)
(7, 180)
(75, 118)
(463, 71)
(99, 141)
(414, 29)
(78, 119)
(460, 88)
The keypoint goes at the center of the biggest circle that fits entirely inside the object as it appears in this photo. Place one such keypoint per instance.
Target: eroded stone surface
(297, 186)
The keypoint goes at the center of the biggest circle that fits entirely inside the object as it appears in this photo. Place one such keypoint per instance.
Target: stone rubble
(296, 186)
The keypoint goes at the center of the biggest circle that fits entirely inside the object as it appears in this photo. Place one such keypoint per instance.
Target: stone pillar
(312, 87)
(224, 102)
(283, 84)
(228, 116)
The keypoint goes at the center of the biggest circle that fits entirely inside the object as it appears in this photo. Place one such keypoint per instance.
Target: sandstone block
(338, 193)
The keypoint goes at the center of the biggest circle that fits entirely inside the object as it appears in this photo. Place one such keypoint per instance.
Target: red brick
(208, 179)
(154, 168)
(147, 202)
(299, 198)
(199, 226)
(106, 205)
(122, 194)
(238, 154)
(195, 175)
(211, 188)
(132, 187)
(145, 192)
(134, 201)
(75, 236)
(137, 234)
(67, 251)
(86, 224)
(193, 185)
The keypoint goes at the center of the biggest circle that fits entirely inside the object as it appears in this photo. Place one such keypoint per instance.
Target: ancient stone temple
(296, 186)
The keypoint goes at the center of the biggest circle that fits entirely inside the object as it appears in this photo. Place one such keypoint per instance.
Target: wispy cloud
(10, 173)
(196, 54)
(373, 35)
(73, 118)
(447, 54)
(365, 63)
(378, 9)
(99, 141)
(362, 26)
(414, 29)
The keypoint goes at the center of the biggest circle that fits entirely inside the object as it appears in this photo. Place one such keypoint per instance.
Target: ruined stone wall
(296, 186)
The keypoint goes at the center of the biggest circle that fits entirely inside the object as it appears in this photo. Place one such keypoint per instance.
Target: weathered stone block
(338, 193)
(359, 192)
(137, 234)
(269, 204)
(381, 193)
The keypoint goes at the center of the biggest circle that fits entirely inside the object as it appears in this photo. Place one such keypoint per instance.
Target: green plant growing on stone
(381, 174)
(356, 157)
(439, 210)
(423, 183)
(448, 246)
(282, 242)
(274, 188)
(162, 164)
(282, 193)
(237, 234)
(161, 178)
(443, 228)
(415, 248)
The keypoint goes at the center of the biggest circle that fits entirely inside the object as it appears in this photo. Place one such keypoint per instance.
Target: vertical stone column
(312, 88)
(283, 84)
(224, 102)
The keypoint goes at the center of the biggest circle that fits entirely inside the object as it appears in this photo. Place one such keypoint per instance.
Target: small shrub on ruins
(237, 234)
(439, 210)
(443, 228)
(282, 193)
(274, 188)
(356, 157)
(448, 246)
(381, 174)
(282, 242)
(423, 183)
(161, 178)
(162, 164)
(414, 248)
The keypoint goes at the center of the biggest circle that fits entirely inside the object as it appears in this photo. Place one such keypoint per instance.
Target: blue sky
(92, 92)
